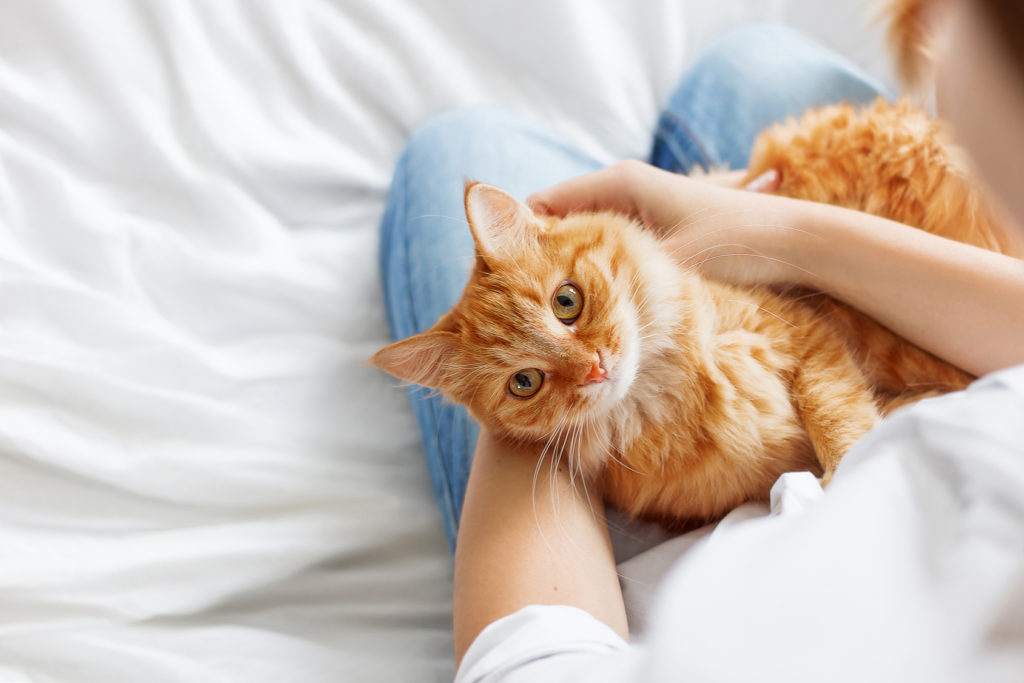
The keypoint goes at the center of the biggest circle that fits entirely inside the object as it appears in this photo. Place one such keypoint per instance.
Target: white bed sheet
(200, 479)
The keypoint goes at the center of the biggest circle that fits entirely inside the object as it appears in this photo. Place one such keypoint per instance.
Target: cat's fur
(912, 35)
(711, 391)
(894, 161)
(886, 159)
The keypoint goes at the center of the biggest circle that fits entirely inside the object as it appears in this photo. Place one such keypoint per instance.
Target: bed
(200, 477)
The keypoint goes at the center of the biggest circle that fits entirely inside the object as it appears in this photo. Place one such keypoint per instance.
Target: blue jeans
(748, 79)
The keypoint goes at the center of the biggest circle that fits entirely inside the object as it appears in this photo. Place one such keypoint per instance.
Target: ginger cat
(582, 334)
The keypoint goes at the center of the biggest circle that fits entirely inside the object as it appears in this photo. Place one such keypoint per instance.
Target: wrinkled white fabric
(200, 479)
(910, 568)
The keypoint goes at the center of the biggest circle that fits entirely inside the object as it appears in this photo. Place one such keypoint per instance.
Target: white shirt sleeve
(546, 643)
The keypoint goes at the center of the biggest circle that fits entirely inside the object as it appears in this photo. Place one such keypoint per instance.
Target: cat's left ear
(498, 220)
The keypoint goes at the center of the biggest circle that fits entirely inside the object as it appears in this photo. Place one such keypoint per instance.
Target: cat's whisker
(533, 500)
(551, 436)
(690, 220)
(572, 456)
(422, 392)
(681, 225)
(567, 454)
(570, 442)
(762, 256)
(555, 434)
(814, 293)
(576, 455)
(642, 306)
(691, 216)
(583, 478)
(634, 287)
(738, 226)
(774, 315)
(720, 245)
(582, 435)
(704, 219)
(553, 474)
(683, 221)
(620, 462)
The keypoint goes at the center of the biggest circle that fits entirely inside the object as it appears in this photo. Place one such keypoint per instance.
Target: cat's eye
(526, 383)
(567, 303)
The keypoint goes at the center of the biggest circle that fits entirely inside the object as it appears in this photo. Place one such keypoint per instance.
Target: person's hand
(737, 235)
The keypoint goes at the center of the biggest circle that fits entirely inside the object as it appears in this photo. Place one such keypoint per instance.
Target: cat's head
(549, 331)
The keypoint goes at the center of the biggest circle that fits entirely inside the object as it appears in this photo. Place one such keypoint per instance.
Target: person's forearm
(522, 543)
(964, 304)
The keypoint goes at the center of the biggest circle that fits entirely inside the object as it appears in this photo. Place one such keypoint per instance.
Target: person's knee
(445, 137)
(747, 79)
(749, 45)
(776, 58)
(769, 55)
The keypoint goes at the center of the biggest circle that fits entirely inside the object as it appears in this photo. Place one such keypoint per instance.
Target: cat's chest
(712, 422)
(736, 376)
(704, 464)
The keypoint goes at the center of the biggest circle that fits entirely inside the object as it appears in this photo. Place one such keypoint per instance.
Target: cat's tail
(911, 34)
(886, 159)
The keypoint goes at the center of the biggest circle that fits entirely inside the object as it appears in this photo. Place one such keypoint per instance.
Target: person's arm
(960, 302)
(530, 535)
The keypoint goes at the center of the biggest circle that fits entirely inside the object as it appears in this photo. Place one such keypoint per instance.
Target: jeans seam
(684, 129)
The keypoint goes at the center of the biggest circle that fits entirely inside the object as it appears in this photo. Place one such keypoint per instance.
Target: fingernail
(768, 181)
(537, 205)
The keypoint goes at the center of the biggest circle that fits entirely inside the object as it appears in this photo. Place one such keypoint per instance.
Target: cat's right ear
(498, 220)
(420, 359)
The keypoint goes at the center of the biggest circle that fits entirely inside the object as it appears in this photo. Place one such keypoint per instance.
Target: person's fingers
(768, 181)
(725, 179)
(608, 189)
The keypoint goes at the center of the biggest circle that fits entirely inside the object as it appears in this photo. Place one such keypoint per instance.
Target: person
(911, 565)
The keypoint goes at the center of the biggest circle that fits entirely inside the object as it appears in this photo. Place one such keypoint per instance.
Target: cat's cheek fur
(627, 363)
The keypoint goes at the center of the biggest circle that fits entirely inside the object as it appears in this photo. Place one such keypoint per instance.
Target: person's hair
(1007, 20)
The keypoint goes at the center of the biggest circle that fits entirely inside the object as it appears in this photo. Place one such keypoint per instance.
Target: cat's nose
(597, 371)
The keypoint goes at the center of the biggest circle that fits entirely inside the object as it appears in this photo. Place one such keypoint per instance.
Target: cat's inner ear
(421, 359)
(499, 221)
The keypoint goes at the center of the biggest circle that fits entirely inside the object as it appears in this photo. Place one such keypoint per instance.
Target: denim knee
(459, 141)
(473, 120)
(747, 79)
(779, 58)
(493, 145)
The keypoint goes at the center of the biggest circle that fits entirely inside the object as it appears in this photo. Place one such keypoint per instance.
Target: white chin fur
(624, 372)
(627, 370)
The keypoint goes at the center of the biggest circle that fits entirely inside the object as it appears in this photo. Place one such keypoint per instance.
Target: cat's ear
(420, 359)
(498, 220)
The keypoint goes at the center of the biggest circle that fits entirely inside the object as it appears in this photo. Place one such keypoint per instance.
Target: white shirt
(909, 568)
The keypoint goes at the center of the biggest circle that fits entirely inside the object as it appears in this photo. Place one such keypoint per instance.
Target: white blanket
(200, 479)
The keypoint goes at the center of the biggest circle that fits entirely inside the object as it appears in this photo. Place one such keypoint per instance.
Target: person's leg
(746, 80)
(426, 250)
